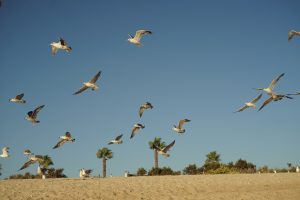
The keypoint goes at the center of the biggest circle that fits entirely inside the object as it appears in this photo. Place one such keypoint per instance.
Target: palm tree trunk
(103, 167)
(155, 159)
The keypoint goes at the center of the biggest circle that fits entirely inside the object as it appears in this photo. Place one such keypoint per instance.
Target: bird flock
(62, 45)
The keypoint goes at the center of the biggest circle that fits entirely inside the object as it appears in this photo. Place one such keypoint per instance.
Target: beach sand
(226, 187)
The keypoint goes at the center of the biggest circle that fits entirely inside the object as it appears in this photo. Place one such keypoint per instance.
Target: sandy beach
(241, 186)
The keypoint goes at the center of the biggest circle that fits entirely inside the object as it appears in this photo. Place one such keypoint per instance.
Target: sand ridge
(233, 186)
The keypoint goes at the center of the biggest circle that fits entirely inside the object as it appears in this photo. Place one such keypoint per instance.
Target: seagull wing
(20, 96)
(62, 42)
(291, 34)
(37, 110)
(53, 50)
(274, 82)
(119, 137)
(266, 103)
(27, 164)
(30, 113)
(256, 99)
(181, 122)
(167, 148)
(242, 109)
(141, 111)
(60, 143)
(81, 89)
(134, 131)
(95, 78)
(140, 33)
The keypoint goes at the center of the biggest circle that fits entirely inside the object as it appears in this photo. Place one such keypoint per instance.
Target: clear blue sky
(201, 63)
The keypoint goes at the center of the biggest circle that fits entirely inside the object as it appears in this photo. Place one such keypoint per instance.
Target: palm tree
(43, 165)
(47, 161)
(212, 161)
(104, 154)
(156, 143)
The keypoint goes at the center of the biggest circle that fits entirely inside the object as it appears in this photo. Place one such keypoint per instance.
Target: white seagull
(269, 90)
(90, 84)
(61, 44)
(5, 152)
(135, 129)
(292, 33)
(32, 115)
(164, 150)
(143, 107)
(117, 140)
(63, 139)
(274, 97)
(18, 99)
(179, 128)
(138, 35)
(249, 104)
(32, 160)
(85, 173)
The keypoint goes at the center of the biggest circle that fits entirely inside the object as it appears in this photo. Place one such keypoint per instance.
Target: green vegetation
(156, 143)
(51, 173)
(104, 154)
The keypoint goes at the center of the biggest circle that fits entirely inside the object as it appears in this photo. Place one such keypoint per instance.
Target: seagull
(61, 44)
(291, 34)
(117, 140)
(135, 129)
(269, 90)
(90, 84)
(18, 99)
(63, 139)
(250, 104)
(274, 97)
(179, 128)
(138, 35)
(164, 150)
(31, 115)
(32, 160)
(85, 173)
(27, 152)
(5, 152)
(143, 107)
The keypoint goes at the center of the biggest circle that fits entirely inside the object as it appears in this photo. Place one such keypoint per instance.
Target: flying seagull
(32, 160)
(18, 99)
(90, 84)
(269, 90)
(179, 128)
(61, 44)
(164, 150)
(27, 152)
(135, 129)
(291, 34)
(63, 139)
(85, 173)
(249, 104)
(32, 115)
(117, 140)
(274, 97)
(5, 152)
(138, 35)
(143, 107)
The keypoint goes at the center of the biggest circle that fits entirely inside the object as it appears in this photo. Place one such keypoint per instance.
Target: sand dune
(241, 186)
